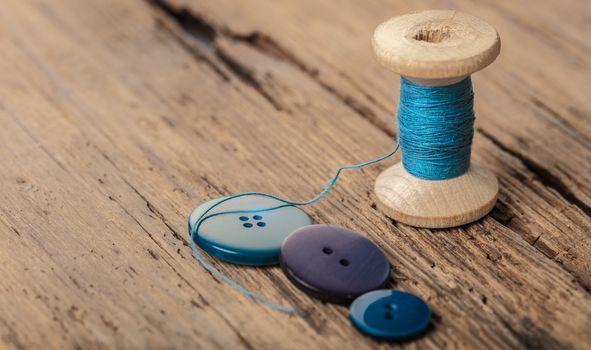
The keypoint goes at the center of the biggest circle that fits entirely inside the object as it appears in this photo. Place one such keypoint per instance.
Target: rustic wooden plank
(534, 118)
(120, 122)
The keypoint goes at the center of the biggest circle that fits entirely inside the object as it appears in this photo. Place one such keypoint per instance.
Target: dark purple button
(333, 263)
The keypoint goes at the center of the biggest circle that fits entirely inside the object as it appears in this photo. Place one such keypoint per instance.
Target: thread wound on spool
(435, 125)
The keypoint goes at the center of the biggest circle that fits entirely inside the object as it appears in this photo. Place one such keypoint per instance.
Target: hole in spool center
(433, 35)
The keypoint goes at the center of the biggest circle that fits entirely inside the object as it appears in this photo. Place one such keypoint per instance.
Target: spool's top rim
(436, 44)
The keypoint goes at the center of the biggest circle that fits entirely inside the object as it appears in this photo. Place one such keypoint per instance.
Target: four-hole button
(256, 218)
(245, 237)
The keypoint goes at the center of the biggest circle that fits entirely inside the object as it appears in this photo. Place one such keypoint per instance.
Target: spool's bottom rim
(439, 203)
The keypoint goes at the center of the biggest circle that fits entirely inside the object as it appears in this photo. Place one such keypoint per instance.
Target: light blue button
(390, 314)
(246, 238)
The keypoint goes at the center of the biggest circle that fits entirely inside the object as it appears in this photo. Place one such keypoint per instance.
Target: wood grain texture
(436, 204)
(435, 44)
(119, 117)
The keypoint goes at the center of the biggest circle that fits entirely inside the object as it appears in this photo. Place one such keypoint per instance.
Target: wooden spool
(436, 48)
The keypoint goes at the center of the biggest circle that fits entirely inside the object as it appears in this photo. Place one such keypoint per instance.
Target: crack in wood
(198, 28)
(537, 239)
(149, 205)
(142, 227)
(501, 213)
(221, 191)
(544, 175)
(15, 231)
(38, 143)
(175, 234)
(160, 216)
(193, 50)
(205, 34)
(247, 77)
(540, 246)
(153, 254)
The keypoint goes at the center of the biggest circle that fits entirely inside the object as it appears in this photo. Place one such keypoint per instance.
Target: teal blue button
(246, 238)
(390, 314)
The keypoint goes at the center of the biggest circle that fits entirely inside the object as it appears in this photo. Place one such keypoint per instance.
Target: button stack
(328, 262)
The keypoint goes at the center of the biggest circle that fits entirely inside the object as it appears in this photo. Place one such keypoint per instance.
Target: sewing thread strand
(435, 125)
(203, 218)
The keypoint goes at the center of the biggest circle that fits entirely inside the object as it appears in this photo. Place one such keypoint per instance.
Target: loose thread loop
(195, 230)
(435, 126)
(435, 134)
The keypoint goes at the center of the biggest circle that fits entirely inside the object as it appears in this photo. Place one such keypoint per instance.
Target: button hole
(327, 250)
(257, 217)
(391, 306)
(388, 316)
(344, 262)
(261, 224)
(247, 225)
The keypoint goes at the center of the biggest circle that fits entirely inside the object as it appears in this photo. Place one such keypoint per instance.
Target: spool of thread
(435, 51)
(435, 185)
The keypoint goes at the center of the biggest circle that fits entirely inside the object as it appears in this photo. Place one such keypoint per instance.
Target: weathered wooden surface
(118, 117)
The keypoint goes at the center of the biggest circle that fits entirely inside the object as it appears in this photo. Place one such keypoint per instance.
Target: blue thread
(435, 128)
(435, 133)
(288, 203)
